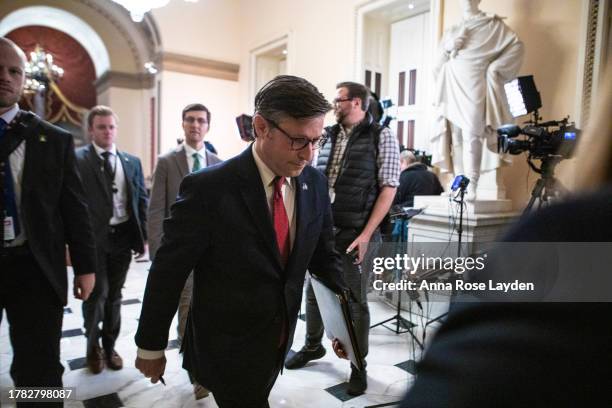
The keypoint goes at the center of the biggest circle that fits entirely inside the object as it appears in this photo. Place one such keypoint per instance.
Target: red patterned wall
(79, 72)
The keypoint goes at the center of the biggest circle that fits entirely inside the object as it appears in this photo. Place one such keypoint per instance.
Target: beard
(340, 116)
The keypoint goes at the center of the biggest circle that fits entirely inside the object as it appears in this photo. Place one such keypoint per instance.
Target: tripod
(547, 186)
(405, 324)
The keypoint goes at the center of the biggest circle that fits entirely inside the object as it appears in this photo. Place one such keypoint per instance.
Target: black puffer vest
(356, 187)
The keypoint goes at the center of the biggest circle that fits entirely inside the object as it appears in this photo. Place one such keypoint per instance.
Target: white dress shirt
(288, 191)
(189, 151)
(16, 160)
(120, 199)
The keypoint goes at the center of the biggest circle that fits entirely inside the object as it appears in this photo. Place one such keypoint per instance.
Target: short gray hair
(407, 157)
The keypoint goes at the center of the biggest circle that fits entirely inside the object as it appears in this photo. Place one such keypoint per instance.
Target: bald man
(43, 209)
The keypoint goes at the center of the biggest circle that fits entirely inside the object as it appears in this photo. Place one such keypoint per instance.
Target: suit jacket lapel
(31, 152)
(128, 172)
(210, 159)
(98, 170)
(253, 193)
(301, 220)
(180, 159)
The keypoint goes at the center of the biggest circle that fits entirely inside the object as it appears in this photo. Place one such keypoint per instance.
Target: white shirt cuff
(149, 354)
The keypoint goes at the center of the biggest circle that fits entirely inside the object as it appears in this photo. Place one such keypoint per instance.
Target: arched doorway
(103, 53)
(66, 101)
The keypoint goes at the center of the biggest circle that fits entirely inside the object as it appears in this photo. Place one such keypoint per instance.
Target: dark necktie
(196, 162)
(108, 170)
(281, 221)
(8, 188)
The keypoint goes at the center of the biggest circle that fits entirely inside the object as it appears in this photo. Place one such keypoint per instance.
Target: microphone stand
(397, 318)
(461, 202)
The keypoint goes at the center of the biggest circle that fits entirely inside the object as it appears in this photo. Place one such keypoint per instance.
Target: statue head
(469, 7)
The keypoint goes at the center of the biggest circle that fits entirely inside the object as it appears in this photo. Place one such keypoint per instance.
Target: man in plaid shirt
(361, 161)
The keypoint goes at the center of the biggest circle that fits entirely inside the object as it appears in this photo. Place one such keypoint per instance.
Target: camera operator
(415, 179)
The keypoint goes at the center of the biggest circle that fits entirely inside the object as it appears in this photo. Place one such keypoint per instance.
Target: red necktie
(281, 228)
(281, 221)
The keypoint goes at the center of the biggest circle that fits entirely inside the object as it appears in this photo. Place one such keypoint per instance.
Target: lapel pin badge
(42, 138)
(304, 186)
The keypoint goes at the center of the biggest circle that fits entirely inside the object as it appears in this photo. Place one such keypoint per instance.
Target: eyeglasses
(191, 119)
(298, 143)
(338, 100)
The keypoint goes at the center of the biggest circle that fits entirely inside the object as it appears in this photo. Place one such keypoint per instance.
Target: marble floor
(321, 384)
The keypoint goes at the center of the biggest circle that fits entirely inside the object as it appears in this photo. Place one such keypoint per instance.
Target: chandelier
(138, 8)
(40, 71)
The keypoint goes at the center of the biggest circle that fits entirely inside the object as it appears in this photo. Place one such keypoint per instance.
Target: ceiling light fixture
(138, 8)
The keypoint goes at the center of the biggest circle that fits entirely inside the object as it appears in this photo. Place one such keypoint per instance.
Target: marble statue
(477, 57)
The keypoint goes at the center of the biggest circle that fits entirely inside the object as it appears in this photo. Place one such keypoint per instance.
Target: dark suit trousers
(248, 398)
(35, 315)
(104, 304)
(358, 283)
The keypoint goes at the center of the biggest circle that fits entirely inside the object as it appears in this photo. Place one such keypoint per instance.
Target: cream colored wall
(322, 49)
(206, 29)
(134, 131)
(550, 30)
(321, 40)
(218, 95)
(321, 44)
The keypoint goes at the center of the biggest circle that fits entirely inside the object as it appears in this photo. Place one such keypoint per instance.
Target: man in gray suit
(171, 167)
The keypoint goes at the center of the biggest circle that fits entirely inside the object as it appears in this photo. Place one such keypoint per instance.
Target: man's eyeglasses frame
(300, 142)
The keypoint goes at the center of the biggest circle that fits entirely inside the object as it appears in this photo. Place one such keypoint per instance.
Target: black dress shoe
(358, 382)
(303, 356)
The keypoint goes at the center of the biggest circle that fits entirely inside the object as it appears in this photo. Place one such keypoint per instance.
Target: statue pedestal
(434, 233)
(483, 221)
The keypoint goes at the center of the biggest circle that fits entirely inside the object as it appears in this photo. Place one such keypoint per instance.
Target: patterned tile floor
(321, 384)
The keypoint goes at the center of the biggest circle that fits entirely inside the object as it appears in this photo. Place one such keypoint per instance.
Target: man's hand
(340, 352)
(361, 243)
(83, 285)
(138, 256)
(152, 369)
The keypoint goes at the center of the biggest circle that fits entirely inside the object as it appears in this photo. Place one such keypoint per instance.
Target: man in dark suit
(190, 156)
(43, 209)
(114, 187)
(248, 228)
